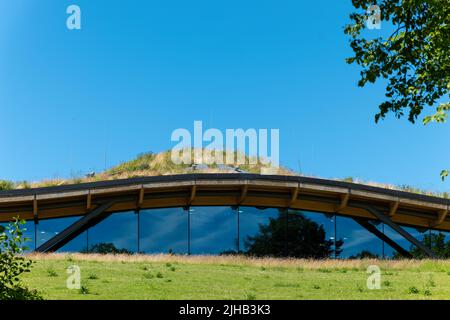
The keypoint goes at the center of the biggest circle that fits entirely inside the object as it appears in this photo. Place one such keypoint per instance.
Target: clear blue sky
(140, 69)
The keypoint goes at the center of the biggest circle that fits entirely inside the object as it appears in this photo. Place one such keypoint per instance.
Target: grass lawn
(208, 277)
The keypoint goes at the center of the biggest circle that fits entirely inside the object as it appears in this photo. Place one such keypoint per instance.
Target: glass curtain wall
(229, 230)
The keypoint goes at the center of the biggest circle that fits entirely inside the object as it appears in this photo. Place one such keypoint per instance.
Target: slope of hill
(158, 164)
(149, 164)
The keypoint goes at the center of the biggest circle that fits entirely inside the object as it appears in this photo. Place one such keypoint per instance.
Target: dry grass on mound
(309, 264)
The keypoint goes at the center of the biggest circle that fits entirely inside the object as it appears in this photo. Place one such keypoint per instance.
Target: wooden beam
(344, 202)
(394, 208)
(141, 197)
(243, 194)
(294, 196)
(89, 201)
(192, 197)
(35, 210)
(442, 214)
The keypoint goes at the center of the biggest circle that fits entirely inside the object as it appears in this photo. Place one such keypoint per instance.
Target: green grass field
(173, 277)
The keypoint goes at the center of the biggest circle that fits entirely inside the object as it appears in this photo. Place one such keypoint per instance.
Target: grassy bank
(172, 277)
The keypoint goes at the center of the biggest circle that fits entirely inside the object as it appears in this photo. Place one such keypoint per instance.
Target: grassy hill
(208, 277)
(157, 164)
(145, 164)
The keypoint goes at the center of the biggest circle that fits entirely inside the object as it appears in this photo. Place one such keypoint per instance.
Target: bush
(6, 185)
(106, 248)
(413, 290)
(13, 264)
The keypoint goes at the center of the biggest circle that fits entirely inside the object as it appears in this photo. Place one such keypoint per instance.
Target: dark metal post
(335, 236)
(138, 231)
(87, 240)
(189, 230)
(286, 217)
(238, 231)
(382, 241)
(429, 235)
(35, 235)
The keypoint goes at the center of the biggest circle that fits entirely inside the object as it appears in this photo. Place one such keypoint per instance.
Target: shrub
(251, 297)
(51, 272)
(413, 290)
(93, 276)
(148, 275)
(106, 248)
(6, 185)
(84, 290)
(13, 264)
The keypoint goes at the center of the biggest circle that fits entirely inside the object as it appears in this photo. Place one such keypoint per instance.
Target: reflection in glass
(28, 232)
(120, 229)
(164, 231)
(48, 228)
(251, 220)
(213, 230)
(326, 223)
(400, 240)
(358, 242)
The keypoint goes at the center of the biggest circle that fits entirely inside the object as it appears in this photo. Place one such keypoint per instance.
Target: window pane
(164, 231)
(48, 228)
(261, 231)
(358, 242)
(120, 229)
(28, 233)
(213, 230)
(394, 235)
(315, 237)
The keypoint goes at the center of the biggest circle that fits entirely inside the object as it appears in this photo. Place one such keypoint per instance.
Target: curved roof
(302, 193)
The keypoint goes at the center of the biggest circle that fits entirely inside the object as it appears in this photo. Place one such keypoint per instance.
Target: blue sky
(138, 70)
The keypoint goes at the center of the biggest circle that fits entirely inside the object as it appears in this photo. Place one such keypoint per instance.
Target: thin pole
(382, 243)
(87, 240)
(35, 236)
(429, 234)
(189, 230)
(286, 215)
(138, 231)
(335, 237)
(238, 231)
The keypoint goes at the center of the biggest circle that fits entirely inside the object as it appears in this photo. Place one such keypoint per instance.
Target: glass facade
(163, 231)
(28, 233)
(227, 230)
(120, 229)
(357, 239)
(251, 221)
(213, 230)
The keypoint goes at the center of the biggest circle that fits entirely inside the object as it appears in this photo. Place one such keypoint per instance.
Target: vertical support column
(286, 227)
(188, 209)
(238, 230)
(138, 214)
(335, 237)
(430, 235)
(36, 220)
(35, 236)
(87, 240)
(382, 242)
